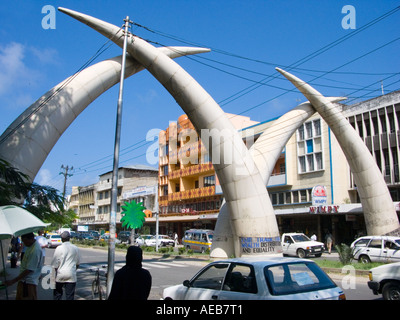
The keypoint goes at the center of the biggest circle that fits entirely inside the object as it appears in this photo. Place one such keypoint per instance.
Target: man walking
(30, 269)
(65, 262)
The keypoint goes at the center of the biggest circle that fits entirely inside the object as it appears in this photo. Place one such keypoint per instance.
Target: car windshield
(300, 238)
(291, 278)
(397, 242)
(56, 237)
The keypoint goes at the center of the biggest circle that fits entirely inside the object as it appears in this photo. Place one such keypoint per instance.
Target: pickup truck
(385, 279)
(298, 244)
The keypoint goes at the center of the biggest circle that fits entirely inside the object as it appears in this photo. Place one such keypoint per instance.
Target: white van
(198, 240)
(376, 249)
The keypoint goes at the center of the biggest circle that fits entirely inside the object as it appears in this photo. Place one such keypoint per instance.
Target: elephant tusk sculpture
(379, 212)
(265, 152)
(27, 142)
(251, 211)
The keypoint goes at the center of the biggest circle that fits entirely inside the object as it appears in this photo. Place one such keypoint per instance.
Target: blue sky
(248, 39)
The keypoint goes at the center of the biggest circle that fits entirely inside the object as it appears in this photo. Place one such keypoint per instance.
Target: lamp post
(114, 183)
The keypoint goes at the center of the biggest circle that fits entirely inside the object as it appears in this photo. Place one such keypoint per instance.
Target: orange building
(189, 195)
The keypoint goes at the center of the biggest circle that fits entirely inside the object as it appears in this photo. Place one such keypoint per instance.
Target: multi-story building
(187, 180)
(92, 203)
(311, 187)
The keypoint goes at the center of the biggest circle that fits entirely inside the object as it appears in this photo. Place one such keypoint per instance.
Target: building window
(309, 147)
(209, 181)
(290, 197)
(164, 170)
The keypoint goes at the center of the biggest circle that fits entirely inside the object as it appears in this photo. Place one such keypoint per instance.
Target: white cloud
(21, 70)
(44, 177)
(148, 96)
(11, 65)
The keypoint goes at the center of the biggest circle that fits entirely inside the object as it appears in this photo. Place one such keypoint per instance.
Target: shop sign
(187, 210)
(324, 209)
(260, 245)
(318, 196)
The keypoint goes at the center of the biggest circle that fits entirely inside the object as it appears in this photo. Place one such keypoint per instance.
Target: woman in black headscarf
(131, 282)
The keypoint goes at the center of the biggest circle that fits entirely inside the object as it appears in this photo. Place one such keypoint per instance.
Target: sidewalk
(83, 290)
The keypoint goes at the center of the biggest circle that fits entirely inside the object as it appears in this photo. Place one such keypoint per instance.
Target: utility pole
(66, 175)
(114, 181)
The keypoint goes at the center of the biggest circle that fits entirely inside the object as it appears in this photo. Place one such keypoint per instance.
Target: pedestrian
(43, 244)
(30, 269)
(329, 240)
(314, 237)
(131, 282)
(66, 260)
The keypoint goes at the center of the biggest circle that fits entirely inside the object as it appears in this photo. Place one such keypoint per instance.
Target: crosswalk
(147, 265)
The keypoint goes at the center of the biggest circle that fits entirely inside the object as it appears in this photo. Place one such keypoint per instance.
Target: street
(165, 272)
(171, 271)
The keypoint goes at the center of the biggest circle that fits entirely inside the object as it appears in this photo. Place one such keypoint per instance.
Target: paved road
(166, 272)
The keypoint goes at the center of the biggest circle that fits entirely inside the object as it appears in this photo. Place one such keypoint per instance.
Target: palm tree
(45, 202)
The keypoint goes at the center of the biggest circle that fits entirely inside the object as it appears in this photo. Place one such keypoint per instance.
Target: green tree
(13, 184)
(45, 202)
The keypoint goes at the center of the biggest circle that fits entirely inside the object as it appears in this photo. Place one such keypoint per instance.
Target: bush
(148, 249)
(345, 253)
(181, 250)
(163, 250)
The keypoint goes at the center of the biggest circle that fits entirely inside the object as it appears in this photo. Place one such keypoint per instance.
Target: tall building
(187, 180)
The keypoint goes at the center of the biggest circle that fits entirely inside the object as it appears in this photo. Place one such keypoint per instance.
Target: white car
(298, 244)
(258, 278)
(141, 240)
(385, 279)
(163, 241)
(53, 240)
(376, 249)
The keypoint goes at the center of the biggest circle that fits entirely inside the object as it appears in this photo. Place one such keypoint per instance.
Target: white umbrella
(15, 221)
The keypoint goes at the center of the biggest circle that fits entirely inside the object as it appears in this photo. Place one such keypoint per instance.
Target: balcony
(191, 171)
(192, 194)
(277, 180)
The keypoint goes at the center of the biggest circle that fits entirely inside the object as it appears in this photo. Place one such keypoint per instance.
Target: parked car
(95, 234)
(141, 240)
(162, 241)
(376, 249)
(385, 280)
(124, 236)
(53, 240)
(258, 278)
(298, 244)
(106, 237)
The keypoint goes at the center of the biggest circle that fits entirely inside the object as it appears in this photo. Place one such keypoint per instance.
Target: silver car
(263, 278)
(376, 249)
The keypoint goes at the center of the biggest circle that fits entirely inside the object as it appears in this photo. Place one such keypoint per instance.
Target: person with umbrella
(30, 269)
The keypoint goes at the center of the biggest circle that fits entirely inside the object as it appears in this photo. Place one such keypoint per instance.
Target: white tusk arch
(379, 212)
(247, 199)
(27, 142)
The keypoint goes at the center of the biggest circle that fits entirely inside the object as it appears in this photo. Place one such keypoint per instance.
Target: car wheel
(301, 253)
(391, 291)
(364, 259)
